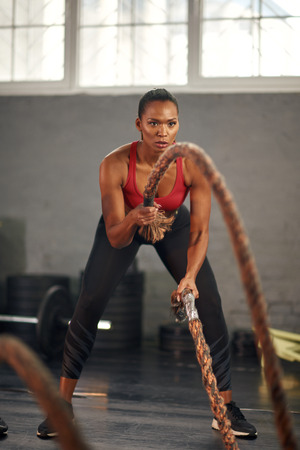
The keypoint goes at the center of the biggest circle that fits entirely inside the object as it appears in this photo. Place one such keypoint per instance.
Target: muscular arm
(200, 206)
(120, 228)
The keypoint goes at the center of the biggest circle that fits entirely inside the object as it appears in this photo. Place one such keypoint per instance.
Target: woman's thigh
(104, 270)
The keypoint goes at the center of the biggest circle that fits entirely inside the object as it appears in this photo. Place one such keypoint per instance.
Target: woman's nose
(162, 130)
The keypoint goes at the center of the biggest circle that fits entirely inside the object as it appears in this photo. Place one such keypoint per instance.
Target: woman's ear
(138, 124)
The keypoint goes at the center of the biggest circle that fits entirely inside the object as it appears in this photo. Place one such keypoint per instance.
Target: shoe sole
(47, 436)
(241, 434)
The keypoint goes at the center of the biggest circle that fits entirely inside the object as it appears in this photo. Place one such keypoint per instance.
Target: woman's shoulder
(120, 154)
(191, 172)
(117, 158)
(188, 168)
(115, 165)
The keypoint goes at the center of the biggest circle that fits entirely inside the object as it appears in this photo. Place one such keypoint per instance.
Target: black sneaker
(45, 430)
(239, 424)
(3, 427)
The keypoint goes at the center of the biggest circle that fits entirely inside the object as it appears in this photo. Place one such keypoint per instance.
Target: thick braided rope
(248, 271)
(40, 381)
(186, 309)
(210, 383)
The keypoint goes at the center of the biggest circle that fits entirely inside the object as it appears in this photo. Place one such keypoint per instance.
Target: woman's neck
(146, 155)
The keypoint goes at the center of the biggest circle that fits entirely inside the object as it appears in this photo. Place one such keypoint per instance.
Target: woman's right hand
(144, 215)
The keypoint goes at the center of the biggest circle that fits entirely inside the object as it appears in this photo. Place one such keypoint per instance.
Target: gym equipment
(243, 343)
(248, 271)
(124, 310)
(287, 344)
(41, 382)
(52, 320)
(176, 338)
(185, 309)
(24, 292)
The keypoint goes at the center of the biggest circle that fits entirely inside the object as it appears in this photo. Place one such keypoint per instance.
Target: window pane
(98, 48)
(222, 9)
(229, 48)
(230, 9)
(161, 55)
(100, 12)
(160, 11)
(133, 42)
(280, 8)
(280, 53)
(40, 12)
(6, 9)
(255, 47)
(133, 56)
(113, 12)
(5, 51)
(39, 54)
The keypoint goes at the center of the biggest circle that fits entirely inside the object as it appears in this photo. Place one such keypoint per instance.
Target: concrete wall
(50, 151)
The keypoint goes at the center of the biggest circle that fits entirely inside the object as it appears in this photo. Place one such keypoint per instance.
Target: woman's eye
(172, 124)
(153, 123)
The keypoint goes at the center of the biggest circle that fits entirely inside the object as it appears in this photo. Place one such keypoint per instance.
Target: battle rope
(248, 271)
(40, 381)
(183, 309)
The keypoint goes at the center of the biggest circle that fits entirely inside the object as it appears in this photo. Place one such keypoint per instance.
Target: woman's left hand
(187, 283)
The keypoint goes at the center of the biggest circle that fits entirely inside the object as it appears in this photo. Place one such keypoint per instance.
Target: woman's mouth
(162, 144)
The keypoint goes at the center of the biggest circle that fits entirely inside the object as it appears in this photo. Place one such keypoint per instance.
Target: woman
(123, 175)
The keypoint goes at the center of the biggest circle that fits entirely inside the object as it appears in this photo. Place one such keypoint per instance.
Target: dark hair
(157, 94)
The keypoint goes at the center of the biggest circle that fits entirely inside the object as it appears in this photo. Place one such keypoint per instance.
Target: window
(205, 45)
(32, 40)
(125, 43)
(244, 38)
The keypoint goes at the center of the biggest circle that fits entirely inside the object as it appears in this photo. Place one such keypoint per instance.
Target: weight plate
(25, 292)
(176, 337)
(56, 307)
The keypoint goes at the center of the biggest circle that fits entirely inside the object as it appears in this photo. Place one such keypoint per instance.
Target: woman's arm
(200, 206)
(120, 228)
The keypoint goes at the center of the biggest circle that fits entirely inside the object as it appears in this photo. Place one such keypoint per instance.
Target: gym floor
(148, 398)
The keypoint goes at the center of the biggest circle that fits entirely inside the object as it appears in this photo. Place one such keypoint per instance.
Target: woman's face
(159, 124)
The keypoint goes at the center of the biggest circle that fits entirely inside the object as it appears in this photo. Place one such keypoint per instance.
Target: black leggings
(104, 270)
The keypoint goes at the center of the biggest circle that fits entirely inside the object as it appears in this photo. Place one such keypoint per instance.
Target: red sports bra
(170, 202)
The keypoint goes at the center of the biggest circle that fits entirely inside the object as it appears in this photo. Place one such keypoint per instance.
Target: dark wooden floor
(148, 399)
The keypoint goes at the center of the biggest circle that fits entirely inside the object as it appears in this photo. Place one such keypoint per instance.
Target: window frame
(69, 85)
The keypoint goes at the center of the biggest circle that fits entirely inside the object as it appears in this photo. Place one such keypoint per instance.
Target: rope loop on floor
(40, 381)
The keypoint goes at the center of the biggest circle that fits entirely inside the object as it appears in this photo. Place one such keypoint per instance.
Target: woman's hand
(187, 283)
(144, 215)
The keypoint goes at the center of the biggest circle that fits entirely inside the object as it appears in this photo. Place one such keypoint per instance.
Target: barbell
(53, 318)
